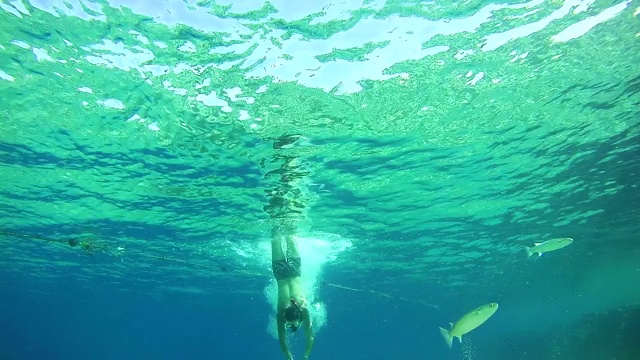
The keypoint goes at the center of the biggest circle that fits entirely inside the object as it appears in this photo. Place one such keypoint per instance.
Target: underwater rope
(417, 301)
(91, 248)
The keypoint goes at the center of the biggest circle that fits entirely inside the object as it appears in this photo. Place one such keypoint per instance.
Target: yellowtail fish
(549, 245)
(468, 322)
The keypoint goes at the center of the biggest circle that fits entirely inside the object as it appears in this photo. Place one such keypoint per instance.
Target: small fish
(468, 322)
(549, 245)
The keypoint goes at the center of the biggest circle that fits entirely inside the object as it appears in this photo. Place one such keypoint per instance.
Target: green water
(438, 138)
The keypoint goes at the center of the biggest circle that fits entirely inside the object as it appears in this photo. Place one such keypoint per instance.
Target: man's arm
(282, 336)
(309, 330)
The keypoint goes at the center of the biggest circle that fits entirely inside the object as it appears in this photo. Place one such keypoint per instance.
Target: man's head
(293, 315)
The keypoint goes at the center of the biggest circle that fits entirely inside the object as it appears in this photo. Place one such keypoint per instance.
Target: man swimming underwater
(292, 311)
(285, 208)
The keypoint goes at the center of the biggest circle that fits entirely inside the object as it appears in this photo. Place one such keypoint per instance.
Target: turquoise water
(146, 146)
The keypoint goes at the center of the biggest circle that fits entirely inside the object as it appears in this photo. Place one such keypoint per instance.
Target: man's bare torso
(290, 289)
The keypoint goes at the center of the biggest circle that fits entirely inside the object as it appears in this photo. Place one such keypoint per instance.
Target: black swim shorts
(286, 269)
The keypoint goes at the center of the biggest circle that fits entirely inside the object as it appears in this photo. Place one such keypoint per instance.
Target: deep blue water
(104, 323)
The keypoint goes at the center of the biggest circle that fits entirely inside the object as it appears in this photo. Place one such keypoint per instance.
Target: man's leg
(292, 247)
(276, 246)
